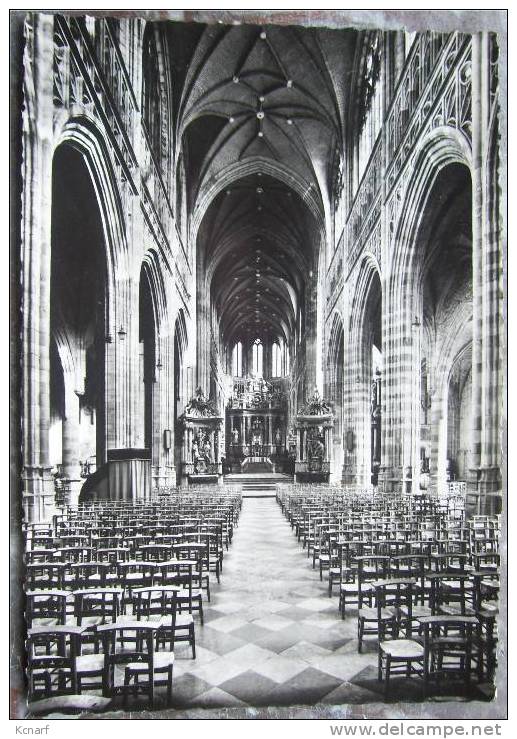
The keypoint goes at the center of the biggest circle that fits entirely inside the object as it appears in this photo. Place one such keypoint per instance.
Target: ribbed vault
(272, 92)
(256, 246)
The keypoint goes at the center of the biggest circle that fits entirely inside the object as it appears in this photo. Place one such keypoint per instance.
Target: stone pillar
(203, 337)
(437, 461)
(484, 474)
(70, 444)
(38, 484)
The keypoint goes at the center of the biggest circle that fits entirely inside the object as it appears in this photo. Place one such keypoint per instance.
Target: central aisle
(272, 636)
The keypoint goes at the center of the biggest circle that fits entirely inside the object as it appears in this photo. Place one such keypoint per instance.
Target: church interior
(262, 367)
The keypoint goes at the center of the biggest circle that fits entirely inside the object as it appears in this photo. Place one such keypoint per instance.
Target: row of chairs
(410, 568)
(104, 615)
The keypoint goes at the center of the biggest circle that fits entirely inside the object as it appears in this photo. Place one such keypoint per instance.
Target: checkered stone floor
(272, 636)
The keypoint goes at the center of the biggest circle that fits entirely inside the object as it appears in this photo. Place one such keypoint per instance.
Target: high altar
(256, 424)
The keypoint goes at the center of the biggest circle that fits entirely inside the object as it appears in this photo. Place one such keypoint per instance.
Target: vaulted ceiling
(275, 98)
(259, 238)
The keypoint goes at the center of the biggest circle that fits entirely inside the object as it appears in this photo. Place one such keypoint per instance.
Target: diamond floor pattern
(272, 637)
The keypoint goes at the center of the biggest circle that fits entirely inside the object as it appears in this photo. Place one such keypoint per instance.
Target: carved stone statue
(315, 452)
(235, 436)
(207, 450)
(195, 450)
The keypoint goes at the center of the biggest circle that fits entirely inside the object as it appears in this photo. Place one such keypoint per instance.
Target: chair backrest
(103, 603)
(128, 641)
(44, 576)
(396, 593)
(53, 648)
(181, 574)
(446, 589)
(156, 602)
(47, 604)
(437, 628)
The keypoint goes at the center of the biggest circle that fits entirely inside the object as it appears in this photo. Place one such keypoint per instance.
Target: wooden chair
(180, 573)
(44, 576)
(90, 575)
(397, 656)
(451, 594)
(141, 662)
(448, 646)
(134, 574)
(97, 606)
(371, 568)
(46, 607)
(51, 655)
(161, 602)
(196, 551)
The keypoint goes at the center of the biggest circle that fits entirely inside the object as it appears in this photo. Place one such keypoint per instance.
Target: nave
(254, 251)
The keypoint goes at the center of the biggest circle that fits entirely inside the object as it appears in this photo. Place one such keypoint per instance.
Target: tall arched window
(257, 358)
(237, 360)
(370, 104)
(287, 366)
(151, 91)
(277, 360)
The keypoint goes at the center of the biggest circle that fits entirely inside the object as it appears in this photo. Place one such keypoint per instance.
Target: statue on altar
(235, 436)
(257, 433)
(315, 451)
(207, 450)
(195, 450)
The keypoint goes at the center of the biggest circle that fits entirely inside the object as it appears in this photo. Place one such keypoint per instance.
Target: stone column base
(390, 479)
(484, 491)
(38, 494)
(164, 477)
(73, 487)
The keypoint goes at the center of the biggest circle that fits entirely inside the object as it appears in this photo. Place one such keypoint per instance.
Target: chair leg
(126, 687)
(169, 685)
(387, 682)
(193, 641)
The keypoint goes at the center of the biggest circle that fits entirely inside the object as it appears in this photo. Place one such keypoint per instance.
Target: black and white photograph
(258, 351)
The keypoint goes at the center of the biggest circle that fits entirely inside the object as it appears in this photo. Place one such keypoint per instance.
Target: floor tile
(251, 632)
(186, 688)
(227, 624)
(229, 607)
(273, 622)
(216, 698)
(217, 641)
(316, 604)
(308, 687)
(303, 650)
(280, 668)
(252, 688)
